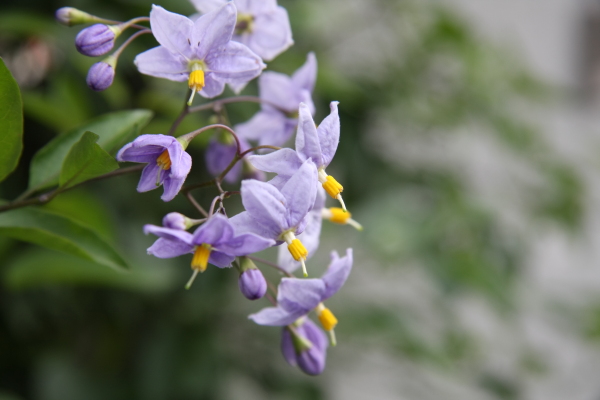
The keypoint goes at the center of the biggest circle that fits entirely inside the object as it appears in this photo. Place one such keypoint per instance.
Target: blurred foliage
(72, 329)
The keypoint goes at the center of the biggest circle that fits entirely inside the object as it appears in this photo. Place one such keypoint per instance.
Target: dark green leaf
(86, 160)
(114, 130)
(11, 122)
(59, 233)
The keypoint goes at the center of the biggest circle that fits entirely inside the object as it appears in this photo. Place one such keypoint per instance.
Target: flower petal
(275, 316)
(212, 87)
(300, 193)
(265, 204)
(218, 156)
(309, 238)
(181, 162)
(268, 127)
(206, 6)
(213, 30)
(244, 244)
(282, 162)
(220, 259)
(151, 174)
(294, 294)
(161, 63)
(307, 139)
(214, 231)
(172, 186)
(245, 223)
(305, 77)
(175, 235)
(277, 88)
(164, 248)
(337, 273)
(329, 134)
(234, 63)
(271, 34)
(171, 30)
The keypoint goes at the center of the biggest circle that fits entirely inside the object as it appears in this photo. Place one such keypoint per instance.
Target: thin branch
(270, 264)
(214, 105)
(193, 201)
(181, 116)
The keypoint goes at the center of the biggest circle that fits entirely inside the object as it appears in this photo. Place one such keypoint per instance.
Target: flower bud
(305, 347)
(96, 40)
(252, 284)
(70, 16)
(175, 220)
(101, 75)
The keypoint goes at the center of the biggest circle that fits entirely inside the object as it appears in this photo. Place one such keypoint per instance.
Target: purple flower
(200, 52)
(215, 242)
(168, 163)
(317, 144)
(261, 25)
(252, 284)
(297, 297)
(282, 95)
(96, 40)
(279, 214)
(219, 155)
(305, 346)
(100, 76)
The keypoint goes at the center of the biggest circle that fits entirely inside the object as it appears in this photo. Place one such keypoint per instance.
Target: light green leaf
(86, 160)
(59, 233)
(11, 122)
(114, 129)
(42, 267)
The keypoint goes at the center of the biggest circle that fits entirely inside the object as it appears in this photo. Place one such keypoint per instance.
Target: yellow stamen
(297, 250)
(332, 187)
(327, 319)
(196, 83)
(164, 161)
(339, 216)
(201, 255)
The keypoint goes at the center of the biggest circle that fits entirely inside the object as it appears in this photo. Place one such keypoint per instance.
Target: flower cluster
(226, 45)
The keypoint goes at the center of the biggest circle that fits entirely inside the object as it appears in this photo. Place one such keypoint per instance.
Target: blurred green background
(473, 173)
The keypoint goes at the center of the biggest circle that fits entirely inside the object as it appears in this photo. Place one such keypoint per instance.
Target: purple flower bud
(252, 284)
(175, 220)
(70, 16)
(100, 76)
(309, 351)
(95, 40)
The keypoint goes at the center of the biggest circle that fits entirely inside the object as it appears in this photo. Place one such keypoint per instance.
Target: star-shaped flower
(297, 297)
(282, 95)
(305, 345)
(215, 242)
(261, 25)
(168, 163)
(200, 52)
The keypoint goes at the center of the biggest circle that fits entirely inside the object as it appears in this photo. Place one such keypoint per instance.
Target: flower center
(296, 249)
(244, 24)
(164, 161)
(196, 79)
(331, 186)
(201, 255)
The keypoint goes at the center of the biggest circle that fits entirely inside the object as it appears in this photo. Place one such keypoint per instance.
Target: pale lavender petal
(300, 193)
(306, 76)
(256, 6)
(282, 162)
(309, 238)
(277, 88)
(245, 244)
(144, 144)
(234, 63)
(181, 162)
(266, 205)
(219, 156)
(287, 347)
(312, 361)
(161, 63)
(171, 30)
(307, 139)
(164, 248)
(213, 30)
(212, 87)
(329, 134)
(216, 230)
(268, 127)
(206, 6)
(275, 316)
(175, 235)
(245, 223)
(279, 181)
(271, 34)
(320, 199)
(151, 174)
(337, 273)
(219, 259)
(172, 186)
(294, 294)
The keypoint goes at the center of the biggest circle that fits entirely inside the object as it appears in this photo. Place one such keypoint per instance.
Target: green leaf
(11, 122)
(59, 233)
(114, 129)
(42, 267)
(86, 160)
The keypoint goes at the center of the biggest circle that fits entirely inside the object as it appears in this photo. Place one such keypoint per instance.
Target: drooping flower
(215, 242)
(297, 297)
(305, 345)
(251, 282)
(279, 214)
(200, 52)
(168, 163)
(317, 144)
(275, 123)
(261, 25)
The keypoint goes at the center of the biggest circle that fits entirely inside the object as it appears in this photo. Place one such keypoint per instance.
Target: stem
(180, 117)
(270, 264)
(198, 207)
(213, 105)
(23, 201)
(131, 38)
